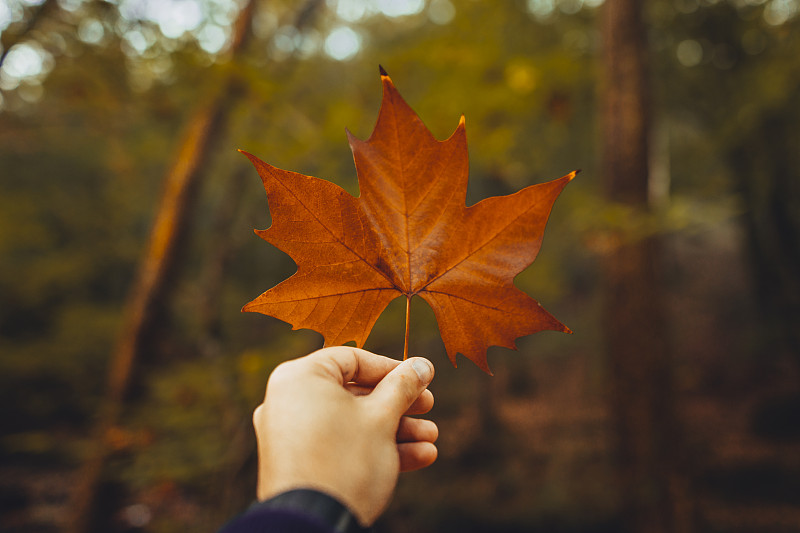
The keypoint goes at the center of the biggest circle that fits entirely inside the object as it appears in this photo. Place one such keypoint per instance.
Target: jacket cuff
(317, 505)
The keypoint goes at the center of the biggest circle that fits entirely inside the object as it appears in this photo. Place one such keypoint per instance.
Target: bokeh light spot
(521, 77)
(541, 9)
(30, 92)
(174, 17)
(91, 31)
(441, 11)
(287, 39)
(351, 10)
(6, 16)
(689, 53)
(779, 11)
(342, 43)
(67, 5)
(136, 41)
(212, 38)
(570, 7)
(137, 515)
(400, 8)
(310, 44)
(24, 60)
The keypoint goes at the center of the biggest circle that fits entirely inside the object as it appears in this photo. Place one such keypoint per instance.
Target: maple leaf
(408, 233)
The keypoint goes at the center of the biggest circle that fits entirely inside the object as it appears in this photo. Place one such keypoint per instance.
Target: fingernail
(423, 369)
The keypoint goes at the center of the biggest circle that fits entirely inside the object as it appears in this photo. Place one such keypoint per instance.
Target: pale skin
(338, 421)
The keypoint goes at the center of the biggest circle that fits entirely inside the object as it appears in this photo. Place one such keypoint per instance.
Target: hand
(336, 421)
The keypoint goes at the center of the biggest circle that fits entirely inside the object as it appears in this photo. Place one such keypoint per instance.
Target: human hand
(336, 421)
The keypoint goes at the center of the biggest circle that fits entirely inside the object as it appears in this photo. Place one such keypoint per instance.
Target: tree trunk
(636, 336)
(157, 263)
(763, 165)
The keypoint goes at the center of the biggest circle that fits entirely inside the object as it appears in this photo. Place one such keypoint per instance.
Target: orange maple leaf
(408, 233)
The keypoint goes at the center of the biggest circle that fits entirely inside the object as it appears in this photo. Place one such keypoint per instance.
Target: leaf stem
(408, 320)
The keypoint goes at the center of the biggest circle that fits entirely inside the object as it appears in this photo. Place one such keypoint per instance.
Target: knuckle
(283, 372)
(257, 414)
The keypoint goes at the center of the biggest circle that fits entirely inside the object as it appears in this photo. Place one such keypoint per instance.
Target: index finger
(346, 364)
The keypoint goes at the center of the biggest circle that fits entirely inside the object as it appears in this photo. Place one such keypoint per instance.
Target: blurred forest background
(128, 375)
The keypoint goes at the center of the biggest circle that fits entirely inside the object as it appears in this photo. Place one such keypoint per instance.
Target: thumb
(403, 385)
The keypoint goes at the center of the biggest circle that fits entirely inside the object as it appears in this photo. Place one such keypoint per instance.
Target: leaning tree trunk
(636, 337)
(156, 265)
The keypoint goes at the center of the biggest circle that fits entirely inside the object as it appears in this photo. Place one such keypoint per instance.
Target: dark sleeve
(296, 511)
